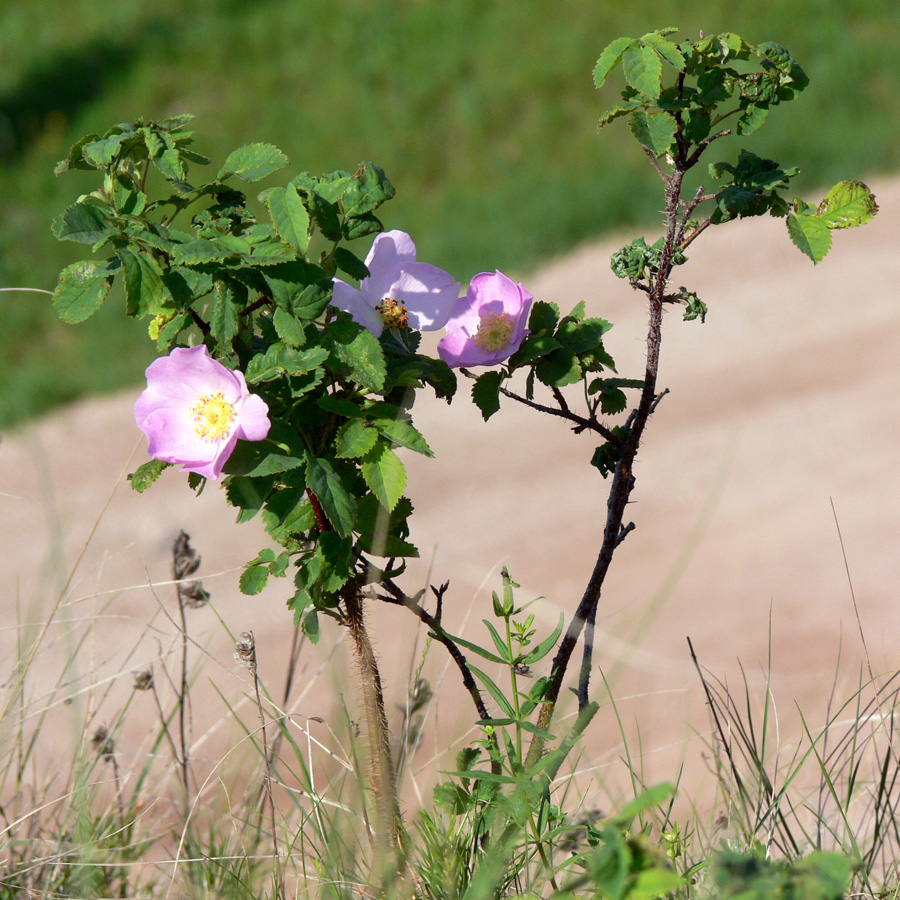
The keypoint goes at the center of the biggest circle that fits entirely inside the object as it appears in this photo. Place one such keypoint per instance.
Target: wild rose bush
(296, 388)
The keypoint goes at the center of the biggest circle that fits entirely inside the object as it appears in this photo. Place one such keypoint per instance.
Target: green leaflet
(145, 291)
(656, 131)
(81, 290)
(403, 433)
(227, 300)
(279, 360)
(643, 69)
(609, 58)
(361, 353)
(665, 48)
(289, 328)
(252, 162)
(355, 439)
(289, 216)
(145, 475)
(368, 189)
(847, 204)
(810, 235)
(486, 393)
(559, 368)
(84, 223)
(385, 475)
(337, 503)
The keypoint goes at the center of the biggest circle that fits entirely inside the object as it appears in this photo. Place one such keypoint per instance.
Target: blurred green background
(482, 113)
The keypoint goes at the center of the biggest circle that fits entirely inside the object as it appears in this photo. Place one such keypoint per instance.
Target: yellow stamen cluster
(495, 331)
(212, 415)
(394, 313)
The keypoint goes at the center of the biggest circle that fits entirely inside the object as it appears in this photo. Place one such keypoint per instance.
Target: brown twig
(582, 424)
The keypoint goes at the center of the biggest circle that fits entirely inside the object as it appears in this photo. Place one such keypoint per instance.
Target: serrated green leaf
(643, 70)
(583, 335)
(486, 393)
(310, 626)
(145, 291)
(75, 157)
(558, 368)
(81, 289)
(363, 356)
(666, 49)
(147, 474)
(350, 263)
(199, 251)
(656, 131)
(253, 162)
(270, 463)
(84, 223)
(253, 579)
(224, 322)
(847, 204)
(609, 58)
(367, 190)
(616, 112)
(385, 475)
(337, 503)
(289, 328)
(355, 439)
(362, 226)
(810, 235)
(103, 151)
(532, 348)
(289, 216)
(402, 433)
(752, 119)
(325, 214)
(544, 317)
(169, 163)
(289, 282)
(248, 494)
(279, 360)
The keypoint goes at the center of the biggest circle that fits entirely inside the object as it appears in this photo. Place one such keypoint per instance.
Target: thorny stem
(623, 478)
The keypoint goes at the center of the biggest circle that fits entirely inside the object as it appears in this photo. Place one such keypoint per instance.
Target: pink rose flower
(194, 411)
(399, 292)
(488, 324)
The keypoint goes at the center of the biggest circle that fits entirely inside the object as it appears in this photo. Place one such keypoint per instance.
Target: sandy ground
(783, 408)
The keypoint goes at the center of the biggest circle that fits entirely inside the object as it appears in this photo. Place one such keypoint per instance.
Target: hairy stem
(381, 766)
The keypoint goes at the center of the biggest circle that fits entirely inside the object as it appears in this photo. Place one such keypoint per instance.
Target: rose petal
(390, 252)
(429, 294)
(352, 301)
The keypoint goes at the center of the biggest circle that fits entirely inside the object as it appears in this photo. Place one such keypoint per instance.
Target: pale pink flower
(399, 292)
(195, 410)
(488, 324)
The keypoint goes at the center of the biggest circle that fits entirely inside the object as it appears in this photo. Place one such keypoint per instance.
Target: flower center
(495, 331)
(394, 313)
(212, 415)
